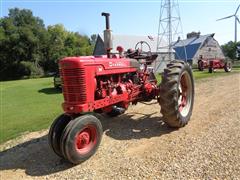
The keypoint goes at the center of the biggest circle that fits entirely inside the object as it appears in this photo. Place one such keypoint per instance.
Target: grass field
(199, 75)
(31, 105)
(27, 105)
(204, 74)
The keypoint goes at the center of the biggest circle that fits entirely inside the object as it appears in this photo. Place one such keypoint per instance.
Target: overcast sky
(131, 17)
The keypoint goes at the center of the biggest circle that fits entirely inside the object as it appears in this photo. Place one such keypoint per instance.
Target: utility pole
(169, 31)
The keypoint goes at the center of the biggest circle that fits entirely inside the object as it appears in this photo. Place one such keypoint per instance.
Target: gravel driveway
(138, 145)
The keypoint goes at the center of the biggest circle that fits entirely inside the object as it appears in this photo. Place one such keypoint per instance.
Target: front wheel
(81, 138)
(55, 132)
(177, 94)
(200, 65)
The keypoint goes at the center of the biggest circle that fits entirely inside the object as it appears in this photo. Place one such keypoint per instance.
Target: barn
(197, 45)
(129, 41)
(189, 49)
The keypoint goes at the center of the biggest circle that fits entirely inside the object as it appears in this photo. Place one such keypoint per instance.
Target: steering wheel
(141, 43)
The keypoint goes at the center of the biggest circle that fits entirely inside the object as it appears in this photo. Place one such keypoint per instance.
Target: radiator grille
(74, 86)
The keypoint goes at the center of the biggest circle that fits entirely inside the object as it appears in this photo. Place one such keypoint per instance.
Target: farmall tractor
(109, 84)
(213, 64)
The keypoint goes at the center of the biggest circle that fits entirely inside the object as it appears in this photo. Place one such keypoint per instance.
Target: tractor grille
(74, 86)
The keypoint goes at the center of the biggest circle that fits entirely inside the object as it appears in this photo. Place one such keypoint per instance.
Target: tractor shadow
(50, 91)
(34, 156)
(127, 126)
(37, 159)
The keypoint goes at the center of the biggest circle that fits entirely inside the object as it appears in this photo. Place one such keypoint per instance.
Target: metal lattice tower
(170, 26)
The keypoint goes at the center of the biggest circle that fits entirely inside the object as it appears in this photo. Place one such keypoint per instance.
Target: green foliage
(24, 38)
(93, 39)
(230, 50)
(32, 69)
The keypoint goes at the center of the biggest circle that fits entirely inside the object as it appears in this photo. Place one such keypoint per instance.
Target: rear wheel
(55, 132)
(228, 67)
(177, 94)
(81, 138)
(210, 70)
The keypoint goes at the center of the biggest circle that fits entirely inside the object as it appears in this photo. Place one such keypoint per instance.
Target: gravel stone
(138, 145)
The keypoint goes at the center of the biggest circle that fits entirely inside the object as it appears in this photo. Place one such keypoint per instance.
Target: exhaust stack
(107, 35)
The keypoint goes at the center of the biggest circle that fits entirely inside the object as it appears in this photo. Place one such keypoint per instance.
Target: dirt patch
(139, 145)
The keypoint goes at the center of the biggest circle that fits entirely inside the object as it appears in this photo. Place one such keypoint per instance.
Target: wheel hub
(83, 139)
(86, 139)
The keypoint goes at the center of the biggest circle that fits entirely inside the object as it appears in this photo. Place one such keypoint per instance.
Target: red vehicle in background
(213, 64)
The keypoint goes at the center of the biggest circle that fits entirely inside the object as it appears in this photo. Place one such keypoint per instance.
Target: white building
(129, 42)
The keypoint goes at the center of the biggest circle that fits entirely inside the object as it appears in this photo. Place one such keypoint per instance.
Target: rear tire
(81, 138)
(55, 132)
(177, 94)
(210, 70)
(228, 67)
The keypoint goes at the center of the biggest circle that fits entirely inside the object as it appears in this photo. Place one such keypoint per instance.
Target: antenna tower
(170, 27)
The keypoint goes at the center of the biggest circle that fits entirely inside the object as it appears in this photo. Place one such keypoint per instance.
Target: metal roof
(190, 45)
(194, 40)
(129, 41)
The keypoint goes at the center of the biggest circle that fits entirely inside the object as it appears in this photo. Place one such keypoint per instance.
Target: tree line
(28, 48)
(232, 50)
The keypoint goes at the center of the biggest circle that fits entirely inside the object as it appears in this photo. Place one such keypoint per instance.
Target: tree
(230, 50)
(62, 43)
(55, 47)
(93, 39)
(27, 46)
(238, 52)
(21, 35)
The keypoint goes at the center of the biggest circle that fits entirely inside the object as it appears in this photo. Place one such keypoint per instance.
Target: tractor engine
(101, 84)
(107, 83)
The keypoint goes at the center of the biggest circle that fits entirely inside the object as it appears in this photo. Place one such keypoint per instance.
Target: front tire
(177, 94)
(55, 132)
(200, 65)
(81, 138)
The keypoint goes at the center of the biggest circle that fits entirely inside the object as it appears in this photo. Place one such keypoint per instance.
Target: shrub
(20, 70)
(30, 69)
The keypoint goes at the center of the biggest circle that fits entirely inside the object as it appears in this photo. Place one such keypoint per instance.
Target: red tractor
(108, 84)
(213, 64)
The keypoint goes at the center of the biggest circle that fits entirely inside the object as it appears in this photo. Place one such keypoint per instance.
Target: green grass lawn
(32, 104)
(219, 72)
(27, 105)
(205, 74)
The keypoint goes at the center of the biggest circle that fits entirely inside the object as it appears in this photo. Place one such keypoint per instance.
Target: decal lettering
(116, 64)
